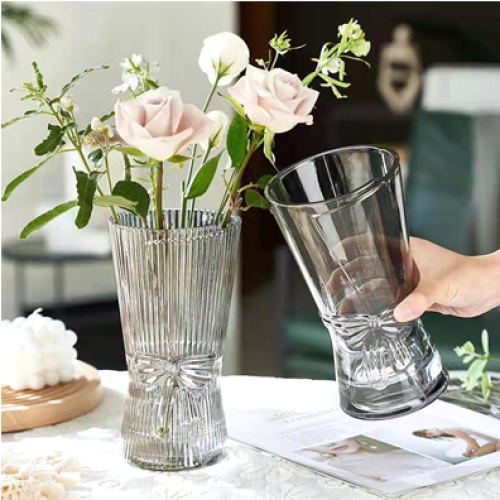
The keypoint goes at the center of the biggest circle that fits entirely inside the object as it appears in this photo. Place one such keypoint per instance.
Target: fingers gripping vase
(343, 216)
(174, 291)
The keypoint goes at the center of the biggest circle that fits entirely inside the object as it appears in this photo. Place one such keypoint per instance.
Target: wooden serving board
(53, 404)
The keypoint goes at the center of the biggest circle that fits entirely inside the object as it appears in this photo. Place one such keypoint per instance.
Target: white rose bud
(224, 54)
(136, 59)
(97, 126)
(68, 103)
(220, 122)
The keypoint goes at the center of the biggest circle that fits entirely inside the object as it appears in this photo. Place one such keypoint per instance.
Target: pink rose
(159, 124)
(275, 99)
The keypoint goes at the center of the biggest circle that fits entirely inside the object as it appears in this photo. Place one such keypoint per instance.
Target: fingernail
(403, 313)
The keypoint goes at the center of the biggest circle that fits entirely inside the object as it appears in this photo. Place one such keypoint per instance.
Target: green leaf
(45, 218)
(264, 181)
(78, 77)
(179, 159)
(86, 185)
(203, 178)
(130, 151)
(254, 199)
(28, 114)
(485, 342)
(95, 157)
(136, 193)
(107, 201)
(485, 385)
(268, 146)
(468, 348)
(38, 76)
(235, 104)
(236, 140)
(14, 184)
(334, 82)
(51, 142)
(152, 83)
(474, 372)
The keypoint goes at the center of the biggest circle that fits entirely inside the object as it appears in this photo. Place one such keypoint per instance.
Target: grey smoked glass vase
(343, 216)
(174, 291)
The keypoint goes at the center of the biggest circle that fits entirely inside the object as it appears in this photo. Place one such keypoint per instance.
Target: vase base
(181, 464)
(436, 391)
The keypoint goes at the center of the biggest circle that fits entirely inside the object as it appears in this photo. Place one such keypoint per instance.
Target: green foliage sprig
(477, 373)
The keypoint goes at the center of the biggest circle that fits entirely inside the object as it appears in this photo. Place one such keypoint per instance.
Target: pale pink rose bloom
(159, 124)
(275, 99)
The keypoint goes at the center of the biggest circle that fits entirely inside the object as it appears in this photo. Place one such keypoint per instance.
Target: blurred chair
(453, 188)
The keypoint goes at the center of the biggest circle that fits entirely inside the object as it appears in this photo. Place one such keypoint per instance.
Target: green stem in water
(159, 196)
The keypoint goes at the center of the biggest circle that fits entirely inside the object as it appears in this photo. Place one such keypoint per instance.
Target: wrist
(489, 266)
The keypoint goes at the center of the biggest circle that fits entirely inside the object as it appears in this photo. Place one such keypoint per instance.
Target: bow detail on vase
(380, 341)
(177, 386)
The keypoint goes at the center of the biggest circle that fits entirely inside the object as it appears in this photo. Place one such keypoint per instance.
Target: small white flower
(220, 123)
(154, 67)
(136, 59)
(68, 103)
(224, 54)
(130, 81)
(333, 66)
(355, 33)
(97, 126)
(127, 65)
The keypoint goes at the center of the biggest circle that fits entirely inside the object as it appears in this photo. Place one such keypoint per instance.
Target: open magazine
(439, 443)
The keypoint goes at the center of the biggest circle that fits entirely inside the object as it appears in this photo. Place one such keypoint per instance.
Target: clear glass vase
(343, 216)
(174, 291)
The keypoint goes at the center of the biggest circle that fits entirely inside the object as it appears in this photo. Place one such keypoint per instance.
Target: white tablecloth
(246, 473)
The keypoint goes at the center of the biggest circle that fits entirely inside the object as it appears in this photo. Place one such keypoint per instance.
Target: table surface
(246, 474)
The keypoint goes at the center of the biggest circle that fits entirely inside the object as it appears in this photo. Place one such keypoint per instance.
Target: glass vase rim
(360, 191)
(234, 221)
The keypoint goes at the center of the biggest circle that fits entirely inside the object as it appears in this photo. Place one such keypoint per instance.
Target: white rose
(226, 53)
(275, 99)
(220, 122)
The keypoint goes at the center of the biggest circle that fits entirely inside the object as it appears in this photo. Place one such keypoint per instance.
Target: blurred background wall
(431, 93)
(90, 34)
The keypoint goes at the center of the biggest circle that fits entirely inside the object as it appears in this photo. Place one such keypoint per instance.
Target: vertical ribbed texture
(174, 290)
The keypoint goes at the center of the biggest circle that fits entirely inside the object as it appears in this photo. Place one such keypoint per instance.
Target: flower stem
(193, 201)
(159, 196)
(195, 147)
(254, 145)
(77, 146)
(110, 184)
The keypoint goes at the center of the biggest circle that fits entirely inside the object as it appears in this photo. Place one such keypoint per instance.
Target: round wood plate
(53, 404)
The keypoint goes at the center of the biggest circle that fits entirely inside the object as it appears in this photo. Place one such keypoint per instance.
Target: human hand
(450, 283)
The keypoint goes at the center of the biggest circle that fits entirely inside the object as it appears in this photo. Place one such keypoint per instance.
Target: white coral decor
(36, 351)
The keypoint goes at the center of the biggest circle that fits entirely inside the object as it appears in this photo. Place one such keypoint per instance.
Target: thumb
(413, 306)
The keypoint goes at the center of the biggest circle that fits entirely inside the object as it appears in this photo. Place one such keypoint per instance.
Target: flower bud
(220, 122)
(68, 103)
(223, 56)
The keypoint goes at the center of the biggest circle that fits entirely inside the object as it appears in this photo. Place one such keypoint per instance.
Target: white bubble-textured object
(35, 352)
(51, 477)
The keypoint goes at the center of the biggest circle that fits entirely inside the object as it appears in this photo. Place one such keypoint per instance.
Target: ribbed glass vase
(174, 291)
